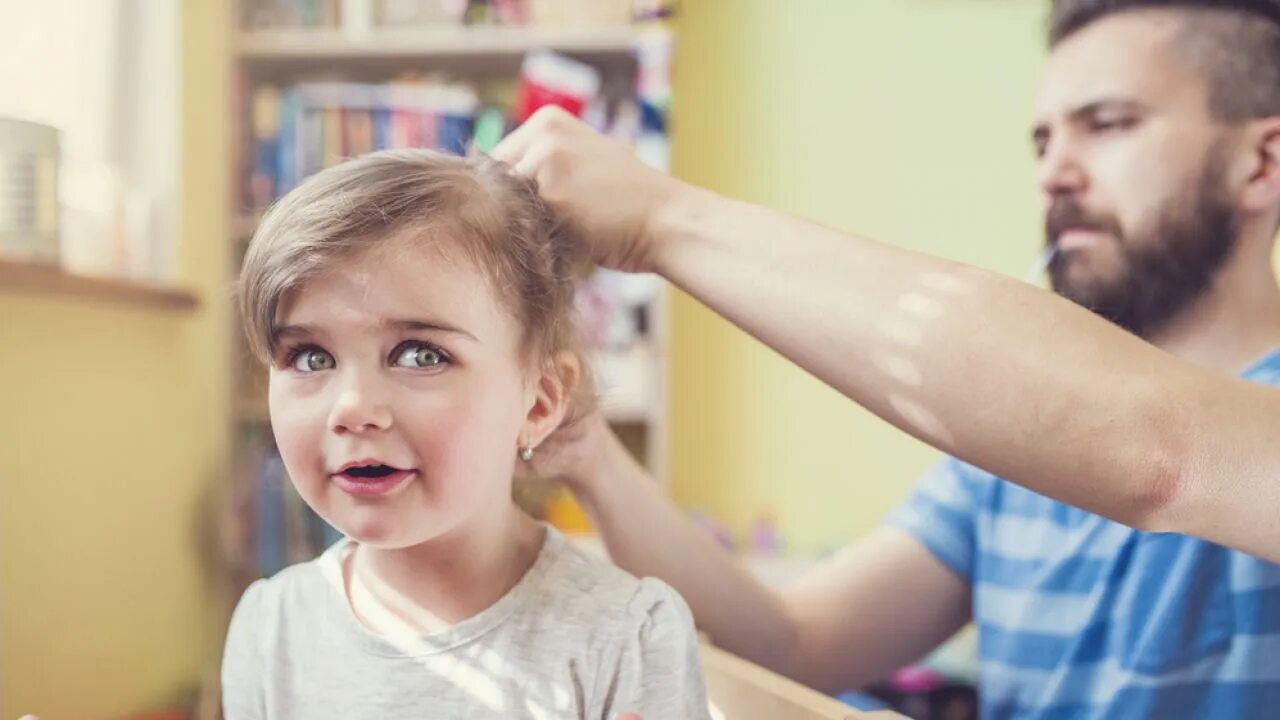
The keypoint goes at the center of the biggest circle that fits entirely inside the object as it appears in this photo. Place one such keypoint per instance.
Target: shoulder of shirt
(602, 590)
(295, 585)
(268, 605)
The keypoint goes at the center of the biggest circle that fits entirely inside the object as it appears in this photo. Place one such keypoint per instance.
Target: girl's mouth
(372, 478)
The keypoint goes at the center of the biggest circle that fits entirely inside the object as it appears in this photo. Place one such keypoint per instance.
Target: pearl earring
(526, 453)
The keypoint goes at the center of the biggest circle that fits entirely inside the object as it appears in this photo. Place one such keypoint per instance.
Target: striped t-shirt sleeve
(941, 512)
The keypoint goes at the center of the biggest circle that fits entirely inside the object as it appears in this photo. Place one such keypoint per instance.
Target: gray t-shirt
(575, 638)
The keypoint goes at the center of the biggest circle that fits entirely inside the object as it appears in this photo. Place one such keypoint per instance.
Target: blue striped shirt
(1081, 617)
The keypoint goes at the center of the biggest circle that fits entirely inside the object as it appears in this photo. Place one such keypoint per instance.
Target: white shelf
(311, 44)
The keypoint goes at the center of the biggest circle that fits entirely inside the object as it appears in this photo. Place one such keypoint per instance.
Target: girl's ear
(551, 398)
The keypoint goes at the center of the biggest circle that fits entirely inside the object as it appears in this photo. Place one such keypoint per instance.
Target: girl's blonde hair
(473, 205)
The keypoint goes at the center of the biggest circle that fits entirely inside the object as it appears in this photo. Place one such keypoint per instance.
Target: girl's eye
(308, 360)
(417, 355)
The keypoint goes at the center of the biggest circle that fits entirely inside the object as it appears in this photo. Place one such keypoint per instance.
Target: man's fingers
(547, 121)
(512, 148)
(529, 163)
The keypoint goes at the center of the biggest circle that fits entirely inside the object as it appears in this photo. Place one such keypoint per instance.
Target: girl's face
(399, 395)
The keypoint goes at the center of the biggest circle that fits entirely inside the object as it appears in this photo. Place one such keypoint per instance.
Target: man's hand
(609, 199)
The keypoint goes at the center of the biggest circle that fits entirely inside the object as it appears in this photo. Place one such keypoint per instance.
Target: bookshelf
(322, 58)
(337, 52)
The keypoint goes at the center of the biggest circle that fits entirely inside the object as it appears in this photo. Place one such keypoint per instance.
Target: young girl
(414, 311)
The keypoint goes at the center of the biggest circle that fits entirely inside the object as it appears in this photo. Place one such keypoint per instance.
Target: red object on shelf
(532, 96)
(549, 78)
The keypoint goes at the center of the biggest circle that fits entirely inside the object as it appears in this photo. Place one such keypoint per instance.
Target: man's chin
(1088, 293)
(1085, 280)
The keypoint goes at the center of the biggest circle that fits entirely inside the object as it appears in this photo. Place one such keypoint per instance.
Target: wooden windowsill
(27, 276)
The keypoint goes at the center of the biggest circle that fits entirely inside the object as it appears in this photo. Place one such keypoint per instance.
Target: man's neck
(1232, 325)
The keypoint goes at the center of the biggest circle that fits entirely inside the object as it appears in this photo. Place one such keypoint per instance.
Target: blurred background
(140, 140)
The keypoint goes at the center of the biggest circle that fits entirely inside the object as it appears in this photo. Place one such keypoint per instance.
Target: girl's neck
(426, 588)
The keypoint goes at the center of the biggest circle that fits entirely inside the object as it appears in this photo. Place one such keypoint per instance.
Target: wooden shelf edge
(286, 44)
(17, 274)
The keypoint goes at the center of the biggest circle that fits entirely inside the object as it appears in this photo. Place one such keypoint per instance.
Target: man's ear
(1260, 166)
(551, 398)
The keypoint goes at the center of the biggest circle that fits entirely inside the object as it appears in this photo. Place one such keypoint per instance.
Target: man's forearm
(1001, 374)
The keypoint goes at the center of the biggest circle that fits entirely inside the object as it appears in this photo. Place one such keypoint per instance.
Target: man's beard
(1163, 271)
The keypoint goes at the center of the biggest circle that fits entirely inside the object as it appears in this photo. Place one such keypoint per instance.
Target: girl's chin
(390, 534)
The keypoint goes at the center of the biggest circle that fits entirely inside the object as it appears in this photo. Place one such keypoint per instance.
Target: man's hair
(1235, 44)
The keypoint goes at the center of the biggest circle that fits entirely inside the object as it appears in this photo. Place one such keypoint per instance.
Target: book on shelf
(300, 129)
(292, 13)
(284, 529)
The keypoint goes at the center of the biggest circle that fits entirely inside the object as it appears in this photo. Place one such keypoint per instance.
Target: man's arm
(881, 604)
(1008, 377)
(1005, 376)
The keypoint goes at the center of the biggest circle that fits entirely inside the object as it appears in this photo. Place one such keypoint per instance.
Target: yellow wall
(112, 428)
(906, 120)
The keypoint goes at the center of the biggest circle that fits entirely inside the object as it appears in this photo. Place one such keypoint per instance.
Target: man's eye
(1112, 124)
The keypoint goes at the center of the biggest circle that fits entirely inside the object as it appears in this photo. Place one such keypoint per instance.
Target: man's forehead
(1129, 57)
